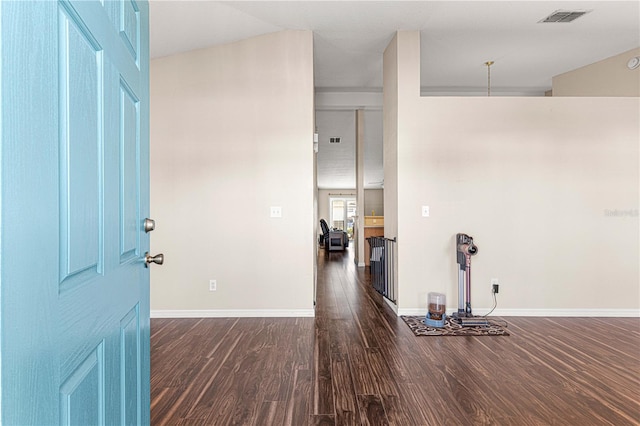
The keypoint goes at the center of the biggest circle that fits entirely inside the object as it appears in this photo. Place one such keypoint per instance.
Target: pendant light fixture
(488, 64)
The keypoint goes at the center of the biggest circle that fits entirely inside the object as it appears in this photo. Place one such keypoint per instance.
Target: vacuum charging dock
(473, 321)
(465, 248)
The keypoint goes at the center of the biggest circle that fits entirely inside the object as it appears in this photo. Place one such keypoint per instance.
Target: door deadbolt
(149, 225)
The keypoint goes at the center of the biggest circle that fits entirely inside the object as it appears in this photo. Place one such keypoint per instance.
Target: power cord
(495, 303)
(495, 321)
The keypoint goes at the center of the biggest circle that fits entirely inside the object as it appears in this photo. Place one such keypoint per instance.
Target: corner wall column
(360, 188)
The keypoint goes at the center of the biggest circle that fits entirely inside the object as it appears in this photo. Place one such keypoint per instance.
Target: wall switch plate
(276, 211)
(425, 211)
(213, 285)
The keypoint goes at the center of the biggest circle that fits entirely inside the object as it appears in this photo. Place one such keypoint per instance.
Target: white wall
(548, 187)
(609, 77)
(336, 161)
(373, 162)
(231, 135)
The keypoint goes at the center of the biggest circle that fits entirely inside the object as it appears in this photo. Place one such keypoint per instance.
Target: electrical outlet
(425, 211)
(213, 285)
(495, 288)
(276, 211)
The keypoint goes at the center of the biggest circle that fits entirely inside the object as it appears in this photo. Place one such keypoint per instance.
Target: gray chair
(333, 240)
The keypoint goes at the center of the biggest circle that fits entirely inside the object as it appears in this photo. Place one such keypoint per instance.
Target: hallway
(357, 363)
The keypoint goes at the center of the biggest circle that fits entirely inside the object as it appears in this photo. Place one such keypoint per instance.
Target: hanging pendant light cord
(488, 64)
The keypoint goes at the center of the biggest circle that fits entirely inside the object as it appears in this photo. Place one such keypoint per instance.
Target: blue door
(74, 300)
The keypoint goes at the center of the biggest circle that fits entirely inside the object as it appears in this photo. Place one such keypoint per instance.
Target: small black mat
(451, 328)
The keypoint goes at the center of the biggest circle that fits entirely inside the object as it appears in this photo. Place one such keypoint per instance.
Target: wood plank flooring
(356, 363)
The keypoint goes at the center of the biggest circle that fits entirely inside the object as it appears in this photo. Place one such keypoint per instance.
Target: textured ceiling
(457, 37)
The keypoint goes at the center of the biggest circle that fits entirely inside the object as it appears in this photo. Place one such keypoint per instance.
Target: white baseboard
(392, 305)
(538, 312)
(295, 313)
(234, 313)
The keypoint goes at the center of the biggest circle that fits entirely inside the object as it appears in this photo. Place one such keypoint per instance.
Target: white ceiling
(457, 38)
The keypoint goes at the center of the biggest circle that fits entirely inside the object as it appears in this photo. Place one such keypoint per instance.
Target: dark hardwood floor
(356, 363)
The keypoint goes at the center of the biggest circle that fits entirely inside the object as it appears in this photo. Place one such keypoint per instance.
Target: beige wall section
(609, 77)
(390, 137)
(323, 201)
(548, 187)
(374, 201)
(316, 221)
(360, 211)
(231, 135)
(390, 102)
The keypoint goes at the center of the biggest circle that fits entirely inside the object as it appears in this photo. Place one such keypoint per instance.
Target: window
(342, 213)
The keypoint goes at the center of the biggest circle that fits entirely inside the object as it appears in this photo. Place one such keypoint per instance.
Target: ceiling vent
(565, 15)
(334, 140)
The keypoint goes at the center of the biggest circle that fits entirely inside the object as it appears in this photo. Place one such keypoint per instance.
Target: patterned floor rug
(451, 328)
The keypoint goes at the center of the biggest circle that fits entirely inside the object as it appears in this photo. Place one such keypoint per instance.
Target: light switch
(425, 211)
(276, 211)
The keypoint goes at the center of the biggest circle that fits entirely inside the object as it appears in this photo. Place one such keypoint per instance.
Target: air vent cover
(565, 15)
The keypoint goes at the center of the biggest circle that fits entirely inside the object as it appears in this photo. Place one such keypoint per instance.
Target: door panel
(130, 367)
(130, 27)
(81, 395)
(129, 168)
(81, 153)
(74, 290)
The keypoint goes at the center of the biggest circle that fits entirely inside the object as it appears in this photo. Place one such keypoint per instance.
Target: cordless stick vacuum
(464, 250)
